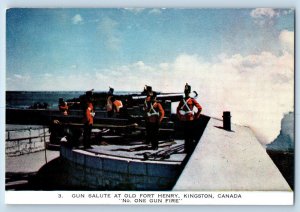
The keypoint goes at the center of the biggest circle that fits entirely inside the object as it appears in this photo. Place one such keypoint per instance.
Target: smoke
(258, 89)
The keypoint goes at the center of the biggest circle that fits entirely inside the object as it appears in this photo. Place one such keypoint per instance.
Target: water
(25, 99)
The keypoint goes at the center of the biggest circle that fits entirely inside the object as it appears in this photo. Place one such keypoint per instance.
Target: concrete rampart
(230, 161)
(100, 172)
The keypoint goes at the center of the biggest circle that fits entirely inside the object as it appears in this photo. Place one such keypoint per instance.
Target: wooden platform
(139, 150)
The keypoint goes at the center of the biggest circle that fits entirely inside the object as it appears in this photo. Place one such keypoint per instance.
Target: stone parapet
(26, 140)
(103, 172)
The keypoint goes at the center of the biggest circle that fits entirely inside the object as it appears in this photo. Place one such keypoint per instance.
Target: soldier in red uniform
(88, 120)
(154, 116)
(64, 107)
(113, 105)
(187, 116)
(117, 105)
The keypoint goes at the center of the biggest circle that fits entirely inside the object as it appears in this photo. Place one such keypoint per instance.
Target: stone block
(12, 144)
(19, 134)
(63, 151)
(159, 183)
(69, 154)
(78, 174)
(79, 158)
(91, 179)
(74, 181)
(115, 165)
(138, 179)
(152, 181)
(166, 183)
(93, 162)
(137, 168)
(35, 132)
(162, 170)
(114, 176)
(99, 181)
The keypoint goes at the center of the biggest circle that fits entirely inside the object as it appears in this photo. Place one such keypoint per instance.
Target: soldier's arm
(161, 112)
(198, 106)
(88, 113)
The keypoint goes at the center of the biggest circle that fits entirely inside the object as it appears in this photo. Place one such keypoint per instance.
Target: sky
(241, 60)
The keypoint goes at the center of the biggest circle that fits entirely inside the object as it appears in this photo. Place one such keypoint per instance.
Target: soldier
(109, 103)
(154, 116)
(88, 120)
(187, 116)
(113, 105)
(63, 106)
(117, 105)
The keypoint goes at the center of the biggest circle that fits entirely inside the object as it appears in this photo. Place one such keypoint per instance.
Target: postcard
(150, 106)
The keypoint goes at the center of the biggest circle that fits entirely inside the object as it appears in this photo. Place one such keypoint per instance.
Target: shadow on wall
(200, 126)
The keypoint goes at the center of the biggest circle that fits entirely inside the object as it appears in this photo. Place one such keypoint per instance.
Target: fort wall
(19, 141)
(98, 172)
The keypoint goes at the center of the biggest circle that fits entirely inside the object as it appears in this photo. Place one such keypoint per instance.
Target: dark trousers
(152, 134)
(87, 135)
(189, 136)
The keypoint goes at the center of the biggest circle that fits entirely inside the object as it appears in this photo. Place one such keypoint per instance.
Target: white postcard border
(150, 198)
(46, 197)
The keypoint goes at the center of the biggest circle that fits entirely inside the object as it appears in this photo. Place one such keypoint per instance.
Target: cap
(149, 90)
(89, 93)
(187, 88)
(111, 90)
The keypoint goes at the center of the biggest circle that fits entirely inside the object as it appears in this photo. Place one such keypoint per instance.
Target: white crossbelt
(183, 112)
(154, 113)
(92, 112)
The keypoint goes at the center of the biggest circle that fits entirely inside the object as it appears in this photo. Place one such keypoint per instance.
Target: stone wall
(103, 172)
(25, 140)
